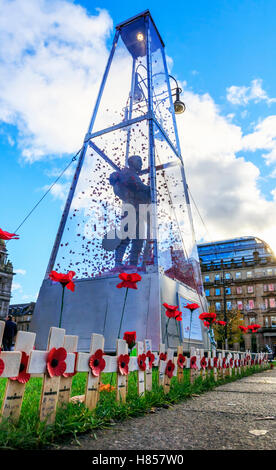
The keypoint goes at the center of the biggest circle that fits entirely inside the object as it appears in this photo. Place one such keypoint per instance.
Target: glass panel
(273, 322)
(250, 289)
(217, 305)
(217, 291)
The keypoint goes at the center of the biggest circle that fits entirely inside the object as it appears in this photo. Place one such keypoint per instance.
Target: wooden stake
(167, 380)
(15, 390)
(179, 369)
(148, 372)
(92, 382)
(122, 348)
(70, 344)
(141, 373)
(161, 366)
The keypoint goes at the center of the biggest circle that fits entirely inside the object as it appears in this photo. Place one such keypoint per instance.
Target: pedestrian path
(237, 415)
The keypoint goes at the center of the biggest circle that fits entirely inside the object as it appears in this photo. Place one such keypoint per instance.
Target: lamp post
(224, 282)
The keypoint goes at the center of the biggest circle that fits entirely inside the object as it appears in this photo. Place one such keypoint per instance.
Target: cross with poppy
(71, 345)
(162, 363)
(214, 364)
(181, 360)
(141, 360)
(96, 364)
(122, 363)
(15, 387)
(169, 370)
(52, 364)
(203, 364)
(150, 360)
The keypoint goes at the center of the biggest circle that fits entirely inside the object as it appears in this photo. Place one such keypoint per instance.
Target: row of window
(238, 275)
(249, 305)
(239, 290)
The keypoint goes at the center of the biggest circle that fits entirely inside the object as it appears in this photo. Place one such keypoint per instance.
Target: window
(239, 290)
(273, 322)
(251, 304)
(217, 291)
(252, 320)
(269, 272)
(265, 287)
(272, 303)
(207, 278)
(266, 303)
(207, 292)
(238, 275)
(271, 287)
(249, 274)
(217, 305)
(250, 289)
(266, 322)
(228, 290)
(227, 276)
(239, 305)
(229, 305)
(217, 277)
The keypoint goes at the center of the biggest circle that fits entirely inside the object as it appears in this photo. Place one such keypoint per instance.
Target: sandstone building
(6, 275)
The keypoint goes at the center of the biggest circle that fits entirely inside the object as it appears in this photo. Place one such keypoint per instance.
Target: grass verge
(74, 419)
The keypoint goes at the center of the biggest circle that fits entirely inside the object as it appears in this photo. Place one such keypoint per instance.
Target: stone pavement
(239, 415)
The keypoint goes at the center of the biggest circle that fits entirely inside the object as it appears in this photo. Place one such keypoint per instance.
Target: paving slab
(238, 415)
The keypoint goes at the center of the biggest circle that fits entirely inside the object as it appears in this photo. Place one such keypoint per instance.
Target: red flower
(97, 363)
(171, 310)
(193, 362)
(231, 362)
(141, 359)
(151, 358)
(209, 363)
(208, 316)
(64, 279)
(2, 366)
(55, 362)
(71, 374)
(215, 362)
(192, 307)
(130, 338)
(236, 363)
(178, 315)
(8, 236)
(129, 280)
(242, 328)
(169, 369)
(206, 324)
(224, 363)
(254, 328)
(122, 362)
(163, 356)
(23, 377)
(220, 322)
(203, 362)
(181, 361)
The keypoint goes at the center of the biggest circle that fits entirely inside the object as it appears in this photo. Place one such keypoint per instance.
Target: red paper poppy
(2, 366)
(203, 362)
(169, 369)
(243, 328)
(236, 363)
(64, 279)
(55, 362)
(178, 315)
(210, 364)
(8, 236)
(130, 338)
(181, 360)
(97, 363)
(151, 358)
(206, 324)
(23, 377)
(123, 361)
(252, 362)
(231, 362)
(220, 322)
(163, 356)
(71, 374)
(171, 310)
(215, 362)
(208, 316)
(224, 363)
(129, 280)
(192, 307)
(193, 362)
(141, 360)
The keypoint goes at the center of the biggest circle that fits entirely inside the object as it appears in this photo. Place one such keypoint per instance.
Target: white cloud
(241, 95)
(52, 55)
(263, 138)
(16, 286)
(20, 271)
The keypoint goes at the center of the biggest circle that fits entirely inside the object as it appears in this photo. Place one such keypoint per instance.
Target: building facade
(22, 315)
(6, 276)
(240, 275)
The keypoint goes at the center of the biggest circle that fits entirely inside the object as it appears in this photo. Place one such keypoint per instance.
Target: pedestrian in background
(10, 332)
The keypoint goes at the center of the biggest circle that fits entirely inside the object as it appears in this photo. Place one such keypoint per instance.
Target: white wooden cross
(167, 380)
(178, 368)
(148, 372)
(50, 387)
(203, 370)
(162, 365)
(122, 348)
(71, 345)
(214, 354)
(141, 373)
(14, 392)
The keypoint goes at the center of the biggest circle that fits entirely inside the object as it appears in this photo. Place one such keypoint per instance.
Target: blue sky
(224, 55)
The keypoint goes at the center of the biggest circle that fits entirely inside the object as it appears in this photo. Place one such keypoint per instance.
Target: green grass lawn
(30, 433)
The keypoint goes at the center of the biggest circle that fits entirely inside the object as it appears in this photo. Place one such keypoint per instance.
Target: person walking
(10, 332)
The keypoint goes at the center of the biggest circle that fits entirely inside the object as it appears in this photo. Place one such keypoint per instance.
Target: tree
(234, 334)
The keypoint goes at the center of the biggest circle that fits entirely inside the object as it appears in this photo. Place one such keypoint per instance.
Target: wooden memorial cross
(141, 373)
(179, 368)
(193, 367)
(70, 344)
(203, 369)
(231, 364)
(122, 350)
(169, 370)
(40, 363)
(220, 370)
(148, 372)
(162, 364)
(10, 362)
(215, 369)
